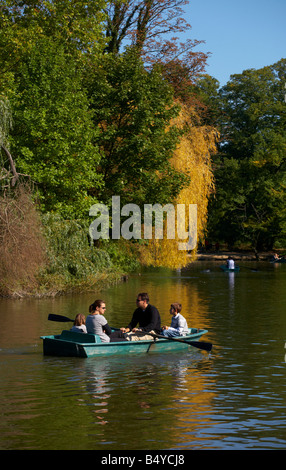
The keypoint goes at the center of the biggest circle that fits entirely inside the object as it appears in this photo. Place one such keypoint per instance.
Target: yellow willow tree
(193, 157)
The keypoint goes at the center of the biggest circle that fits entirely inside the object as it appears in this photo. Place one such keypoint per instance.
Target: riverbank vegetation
(99, 99)
(249, 204)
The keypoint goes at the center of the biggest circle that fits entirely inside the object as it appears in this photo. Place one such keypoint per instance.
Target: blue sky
(240, 34)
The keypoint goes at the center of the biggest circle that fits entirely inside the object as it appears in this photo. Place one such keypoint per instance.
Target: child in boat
(179, 326)
(79, 324)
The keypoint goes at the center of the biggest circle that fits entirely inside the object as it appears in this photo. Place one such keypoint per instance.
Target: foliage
(74, 263)
(124, 254)
(91, 121)
(154, 28)
(207, 91)
(133, 110)
(46, 49)
(75, 23)
(53, 130)
(8, 174)
(5, 120)
(21, 242)
(143, 22)
(250, 169)
(193, 156)
(69, 249)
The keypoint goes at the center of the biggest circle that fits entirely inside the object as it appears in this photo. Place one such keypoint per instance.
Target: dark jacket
(148, 319)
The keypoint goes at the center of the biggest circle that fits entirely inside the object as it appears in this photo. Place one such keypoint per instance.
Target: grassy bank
(70, 263)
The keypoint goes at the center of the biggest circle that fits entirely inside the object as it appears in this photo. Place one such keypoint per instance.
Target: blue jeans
(170, 333)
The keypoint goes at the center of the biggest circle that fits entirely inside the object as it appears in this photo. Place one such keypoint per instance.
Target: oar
(59, 318)
(197, 344)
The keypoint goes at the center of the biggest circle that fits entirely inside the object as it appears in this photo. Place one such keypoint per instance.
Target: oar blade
(58, 318)
(201, 345)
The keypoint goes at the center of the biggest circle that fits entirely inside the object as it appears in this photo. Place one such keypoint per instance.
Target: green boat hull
(228, 270)
(70, 344)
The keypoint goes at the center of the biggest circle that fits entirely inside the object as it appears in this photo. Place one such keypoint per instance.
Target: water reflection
(234, 397)
(148, 390)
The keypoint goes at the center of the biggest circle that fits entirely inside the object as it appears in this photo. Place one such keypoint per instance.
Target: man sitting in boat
(146, 316)
(179, 326)
(230, 263)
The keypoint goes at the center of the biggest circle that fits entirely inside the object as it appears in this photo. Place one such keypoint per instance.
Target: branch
(13, 168)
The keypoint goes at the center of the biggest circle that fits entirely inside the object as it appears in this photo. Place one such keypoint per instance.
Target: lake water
(233, 398)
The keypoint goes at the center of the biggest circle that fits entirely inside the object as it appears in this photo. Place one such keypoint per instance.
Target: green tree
(250, 169)
(78, 24)
(46, 50)
(53, 129)
(207, 91)
(133, 110)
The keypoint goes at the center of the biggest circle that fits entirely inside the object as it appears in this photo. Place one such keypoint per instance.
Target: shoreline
(115, 278)
(236, 255)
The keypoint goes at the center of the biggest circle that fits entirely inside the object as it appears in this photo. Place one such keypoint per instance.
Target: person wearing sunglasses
(97, 324)
(146, 316)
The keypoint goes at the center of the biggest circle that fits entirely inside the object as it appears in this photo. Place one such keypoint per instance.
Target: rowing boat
(73, 344)
(229, 270)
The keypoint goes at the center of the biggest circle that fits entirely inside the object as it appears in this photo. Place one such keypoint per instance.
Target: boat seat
(73, 336)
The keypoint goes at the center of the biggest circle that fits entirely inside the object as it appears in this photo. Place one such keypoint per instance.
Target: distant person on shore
(79, 324)
(230, 263)
(179, 326)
